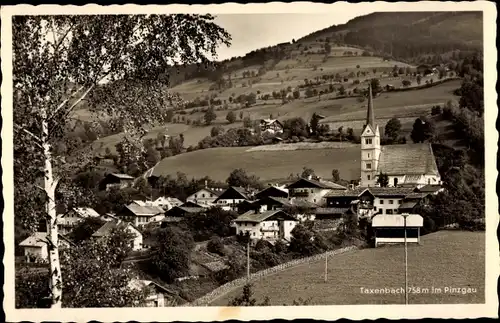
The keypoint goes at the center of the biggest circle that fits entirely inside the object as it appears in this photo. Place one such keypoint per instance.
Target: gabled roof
(190, 204)
(305, 183)
(282, 191)
(258, 217)
(267, 199)
(390, 191)
(37, 240)
(186, 209)
(430, 188)
(240, 191)
(397, 220)
(144, 210)
(331, 210)
(121, 176)
(416, 196)
(86, 212)
(110, 225)
(212, 191)
(303, 203)
(408, 204)
(407, 159)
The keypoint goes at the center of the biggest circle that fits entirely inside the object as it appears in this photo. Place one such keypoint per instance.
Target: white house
(408, 164)
(109, 226)
(67, 221)
(205, 197)
(166, 203)
(35, 246)
(269, 225)
(231, 197)
(312, 190)
(140, 215)
(390, 228)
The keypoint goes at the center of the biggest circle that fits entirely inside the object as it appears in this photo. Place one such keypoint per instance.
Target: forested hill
(412, 37)
(408, 35)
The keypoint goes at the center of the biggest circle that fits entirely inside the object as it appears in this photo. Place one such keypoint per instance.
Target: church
(411, 165)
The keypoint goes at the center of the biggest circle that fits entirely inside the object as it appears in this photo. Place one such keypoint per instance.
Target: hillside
(444, 259)
(323, 73)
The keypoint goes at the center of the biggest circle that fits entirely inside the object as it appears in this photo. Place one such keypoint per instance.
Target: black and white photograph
(229, 159)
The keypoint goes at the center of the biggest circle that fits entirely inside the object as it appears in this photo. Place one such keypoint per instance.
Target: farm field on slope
(268, 165)
(444, 259)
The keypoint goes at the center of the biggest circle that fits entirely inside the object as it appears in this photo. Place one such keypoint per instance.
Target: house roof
(187, 209)
(86, 212)
(303, 203)
(269, 188)
(331, 210)
(345, 193)
(430, 188)
(397, 220)
(143, 283)
(121, 176)
(144, 210)
(390, 191)
(407, 159)
(212, 191)
(416, 195)
(258, 217)
(110, 225)
(242, 192)
(408, 204)
(304, 182)
(37, 240)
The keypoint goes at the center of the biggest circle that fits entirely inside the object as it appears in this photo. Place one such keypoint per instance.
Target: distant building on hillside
(411, 164)
(231, 197)
(205, 196)
(115, 180)
(35, 246)
(273, 126)
(274, 191)
(139, 215)
(67, 221)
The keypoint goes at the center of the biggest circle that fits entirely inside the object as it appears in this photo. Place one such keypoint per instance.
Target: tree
(84, 230)
(306, 172)
(376, 88)
(419, 79)
(383, 180)
(240, 178)
(314, 123)
(341, 90)
(215, 131)
(53, 73)
(406, 83)
(423, 130)
(170, 115)
(231, 117)
(245, 299)
(247, 122)
(210, 116)
(296, 94)
(174, 253)
(241, 115)
(393, 128)
(335, 175)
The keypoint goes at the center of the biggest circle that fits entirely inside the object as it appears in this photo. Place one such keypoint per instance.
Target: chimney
(309, 177)
(206, 184)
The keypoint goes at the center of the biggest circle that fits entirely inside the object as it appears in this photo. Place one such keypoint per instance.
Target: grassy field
(268, 165)
(444, 259)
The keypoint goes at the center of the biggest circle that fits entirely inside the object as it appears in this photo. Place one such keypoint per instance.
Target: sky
(254, 31)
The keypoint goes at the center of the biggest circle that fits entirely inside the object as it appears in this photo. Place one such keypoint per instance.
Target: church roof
(407, 159)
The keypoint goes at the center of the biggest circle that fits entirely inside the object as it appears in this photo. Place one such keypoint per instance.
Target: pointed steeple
(370, 117)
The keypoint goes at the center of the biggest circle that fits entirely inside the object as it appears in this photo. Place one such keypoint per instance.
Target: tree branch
(38, 139)
(65, 101)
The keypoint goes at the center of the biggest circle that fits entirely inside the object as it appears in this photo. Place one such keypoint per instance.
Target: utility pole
(326, 267)
(248, 259)
(406, 261)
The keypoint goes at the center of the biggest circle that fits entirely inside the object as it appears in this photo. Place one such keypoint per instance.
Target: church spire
(370, 118)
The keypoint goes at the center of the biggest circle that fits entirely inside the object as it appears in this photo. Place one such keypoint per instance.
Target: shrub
(436, 110)
(216, 246)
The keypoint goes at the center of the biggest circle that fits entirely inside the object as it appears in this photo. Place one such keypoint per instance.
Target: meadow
(444, 259)
(274, 165)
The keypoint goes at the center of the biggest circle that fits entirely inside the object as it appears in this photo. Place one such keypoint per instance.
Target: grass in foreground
(444, 259)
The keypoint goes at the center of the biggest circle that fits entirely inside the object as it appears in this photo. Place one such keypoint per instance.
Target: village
(411, 177)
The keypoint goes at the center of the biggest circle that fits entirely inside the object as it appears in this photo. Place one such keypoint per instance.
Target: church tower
(370, 147)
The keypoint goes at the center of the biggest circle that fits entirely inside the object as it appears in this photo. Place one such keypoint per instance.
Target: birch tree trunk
(52, 243)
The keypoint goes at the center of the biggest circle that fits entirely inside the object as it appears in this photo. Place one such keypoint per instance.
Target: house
(178, 213)
(231, 197)
(67, 221)
(109, 226)
(115, 180)
(205, 196)
(270, 225)
(271, 125)
(156, 294)
(108, 217)
(35, 246)
(139, 215)
(410, 164)
(431, 189)
(312, 190)
(166, 202)
(390, 229)
(274, 191)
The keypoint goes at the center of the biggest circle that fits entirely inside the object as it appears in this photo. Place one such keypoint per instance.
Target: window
(429, 181)
(381, 211)
(391, 202)
(203, 195)
(368, 177)
(254, 234)
(400, 201)
(395, 182)
(368, 166)
(314, 200)
(396, 211)
(381, 201)
(375, 208)
(368, 141)
(388, 211)
(368, 155)
(254, 224)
